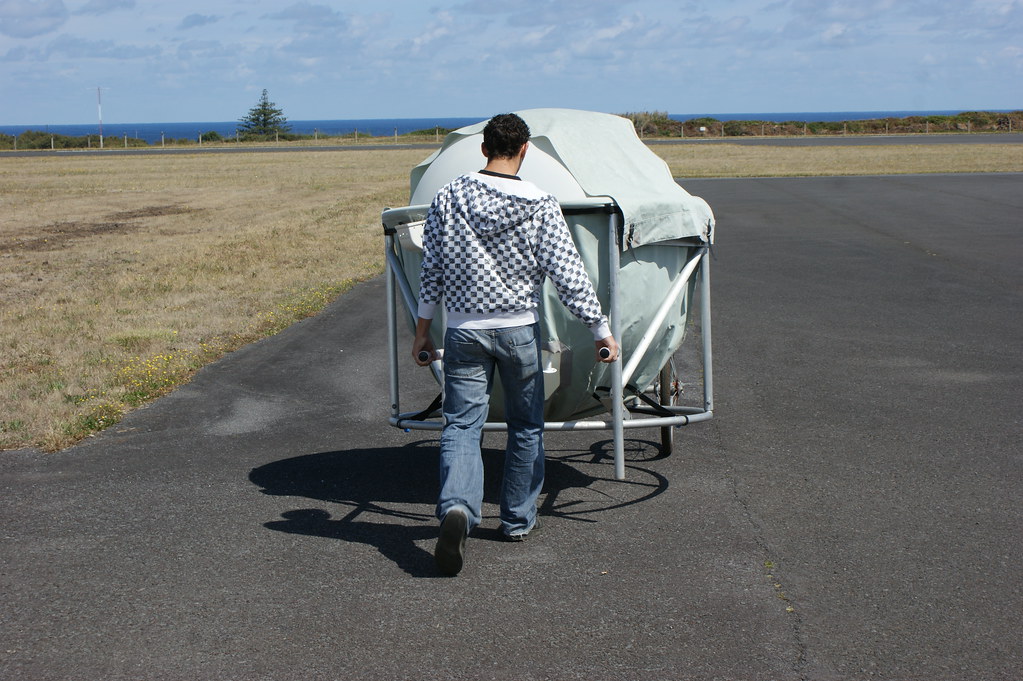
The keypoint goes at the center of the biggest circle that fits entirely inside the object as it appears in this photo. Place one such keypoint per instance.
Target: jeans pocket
(521, 337)
(463, 369)
(463, 357)
(525, 351)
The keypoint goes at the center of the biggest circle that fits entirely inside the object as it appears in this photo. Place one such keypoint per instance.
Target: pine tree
(263, 120)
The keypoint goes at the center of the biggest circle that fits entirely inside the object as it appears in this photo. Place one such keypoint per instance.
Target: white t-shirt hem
(492, 320)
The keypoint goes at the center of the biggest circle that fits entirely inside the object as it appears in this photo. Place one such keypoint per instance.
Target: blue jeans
(470, 357)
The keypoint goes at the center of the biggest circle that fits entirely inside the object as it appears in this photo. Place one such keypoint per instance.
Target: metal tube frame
(621, 419)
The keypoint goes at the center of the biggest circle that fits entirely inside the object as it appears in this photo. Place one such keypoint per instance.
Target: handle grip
(604, 353)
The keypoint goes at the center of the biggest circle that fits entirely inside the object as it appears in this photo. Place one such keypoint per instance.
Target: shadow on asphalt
(397, 488)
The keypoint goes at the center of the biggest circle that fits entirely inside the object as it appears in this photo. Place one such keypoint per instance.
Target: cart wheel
(667, 392)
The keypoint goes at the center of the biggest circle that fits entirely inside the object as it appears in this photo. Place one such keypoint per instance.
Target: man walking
(489, 241)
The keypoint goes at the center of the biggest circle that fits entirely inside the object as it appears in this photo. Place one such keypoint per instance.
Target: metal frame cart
(629, 406)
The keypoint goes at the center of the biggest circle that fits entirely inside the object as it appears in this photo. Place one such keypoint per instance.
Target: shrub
(737, 129)
(40, 139)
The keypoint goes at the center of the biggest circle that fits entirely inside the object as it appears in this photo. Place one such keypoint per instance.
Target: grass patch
(762, 160)
(121, 276)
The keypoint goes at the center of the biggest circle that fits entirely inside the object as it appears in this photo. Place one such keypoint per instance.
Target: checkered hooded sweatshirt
(486, 251)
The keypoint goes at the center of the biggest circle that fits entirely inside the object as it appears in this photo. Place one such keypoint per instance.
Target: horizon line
(483, 118)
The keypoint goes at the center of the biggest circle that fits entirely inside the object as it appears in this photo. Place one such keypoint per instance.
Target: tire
(668, 396)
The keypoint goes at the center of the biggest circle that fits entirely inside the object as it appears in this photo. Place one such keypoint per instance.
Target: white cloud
(471, 57)
(980, 17)
(28, 18)
(203, 50)
(104, 6)
(310, 17)
(839, 34)
(433, 34)
(16, 54)
(197, 20)
(564, 13)
(76, 48)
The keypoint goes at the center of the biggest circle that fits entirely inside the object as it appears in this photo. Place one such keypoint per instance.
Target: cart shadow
(387, 495)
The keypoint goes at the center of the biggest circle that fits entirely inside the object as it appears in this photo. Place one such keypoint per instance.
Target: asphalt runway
(851, 512)
(856, 140)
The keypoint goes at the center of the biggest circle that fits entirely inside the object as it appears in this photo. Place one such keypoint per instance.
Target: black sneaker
(451, 544)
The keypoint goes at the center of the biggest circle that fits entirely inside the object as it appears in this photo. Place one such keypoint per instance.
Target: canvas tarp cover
(603, 155)
(583, 159)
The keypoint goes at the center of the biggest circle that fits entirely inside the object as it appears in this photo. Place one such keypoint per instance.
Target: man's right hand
(422, 351)
(422, 343)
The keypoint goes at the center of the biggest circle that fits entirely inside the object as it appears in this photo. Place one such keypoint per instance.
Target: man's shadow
(400, 486)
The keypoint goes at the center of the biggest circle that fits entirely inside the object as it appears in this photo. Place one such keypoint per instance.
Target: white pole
(708, 358)
(99, 111)
(662, 312)
(617, 385)
(392, 324)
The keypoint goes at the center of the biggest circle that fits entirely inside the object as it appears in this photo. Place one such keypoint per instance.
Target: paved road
(212, 150)
(837, 140)
(856, 140)
(852, 512)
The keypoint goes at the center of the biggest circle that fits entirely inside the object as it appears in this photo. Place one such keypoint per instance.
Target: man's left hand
(612, 348)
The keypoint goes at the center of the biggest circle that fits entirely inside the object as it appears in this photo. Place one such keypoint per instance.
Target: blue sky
(186, 60)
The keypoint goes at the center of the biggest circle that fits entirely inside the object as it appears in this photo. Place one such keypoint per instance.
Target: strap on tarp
(654, 405)
(429, 411)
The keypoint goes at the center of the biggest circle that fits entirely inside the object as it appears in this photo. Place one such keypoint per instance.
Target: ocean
(378, 127)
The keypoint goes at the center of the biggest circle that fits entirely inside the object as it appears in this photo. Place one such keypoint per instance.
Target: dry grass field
(736, 160)
(122, 275)
(119, 276)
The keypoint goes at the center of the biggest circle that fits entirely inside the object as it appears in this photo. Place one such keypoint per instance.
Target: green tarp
(583, 158)
(604, 157)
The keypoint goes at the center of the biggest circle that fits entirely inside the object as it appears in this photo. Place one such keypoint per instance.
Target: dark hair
(504, 135)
